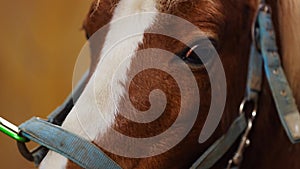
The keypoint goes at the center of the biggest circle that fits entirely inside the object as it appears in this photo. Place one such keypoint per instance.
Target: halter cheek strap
(222, 145)
(240, 126)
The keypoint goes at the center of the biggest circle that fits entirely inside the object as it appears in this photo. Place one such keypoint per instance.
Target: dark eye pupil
(192, 57)
(199, 54)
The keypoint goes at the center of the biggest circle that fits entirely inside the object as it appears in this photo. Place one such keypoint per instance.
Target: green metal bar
(12, 134)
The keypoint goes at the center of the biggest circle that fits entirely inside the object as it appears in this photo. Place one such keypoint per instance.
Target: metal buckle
(11, 130)
(253, 104)
(245, 141)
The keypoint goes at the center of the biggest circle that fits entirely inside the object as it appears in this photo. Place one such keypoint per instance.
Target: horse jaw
(86, 109)
(289, 26)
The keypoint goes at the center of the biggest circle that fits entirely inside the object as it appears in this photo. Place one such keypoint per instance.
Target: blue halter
(264, 54)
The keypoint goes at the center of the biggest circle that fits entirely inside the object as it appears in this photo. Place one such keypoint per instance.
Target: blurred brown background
(40, 41)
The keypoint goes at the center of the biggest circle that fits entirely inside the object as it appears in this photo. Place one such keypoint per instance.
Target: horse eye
(192, 57)
(198, 55)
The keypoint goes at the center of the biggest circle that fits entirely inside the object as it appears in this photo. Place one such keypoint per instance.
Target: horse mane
(289, 27)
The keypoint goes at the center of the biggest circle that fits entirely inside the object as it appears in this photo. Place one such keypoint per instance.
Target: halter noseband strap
(51, 136)
(72, 146)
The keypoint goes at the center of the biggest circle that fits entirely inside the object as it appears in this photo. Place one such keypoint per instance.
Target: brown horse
(227, 24)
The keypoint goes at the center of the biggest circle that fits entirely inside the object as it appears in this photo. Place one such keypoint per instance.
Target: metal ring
(24, 151)
(36, 155)
(266, 8)
(243, 105)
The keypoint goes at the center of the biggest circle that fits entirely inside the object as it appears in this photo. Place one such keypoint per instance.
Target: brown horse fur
(229, 24)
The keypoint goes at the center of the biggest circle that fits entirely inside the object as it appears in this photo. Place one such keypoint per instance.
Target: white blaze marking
(86, 109)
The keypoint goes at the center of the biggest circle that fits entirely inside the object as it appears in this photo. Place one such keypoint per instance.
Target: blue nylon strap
(254, 81)
(73, 147)
(281, 91)
(222, 145)
(56, 117)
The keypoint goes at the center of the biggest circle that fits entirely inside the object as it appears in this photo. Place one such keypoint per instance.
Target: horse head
(157, 95)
